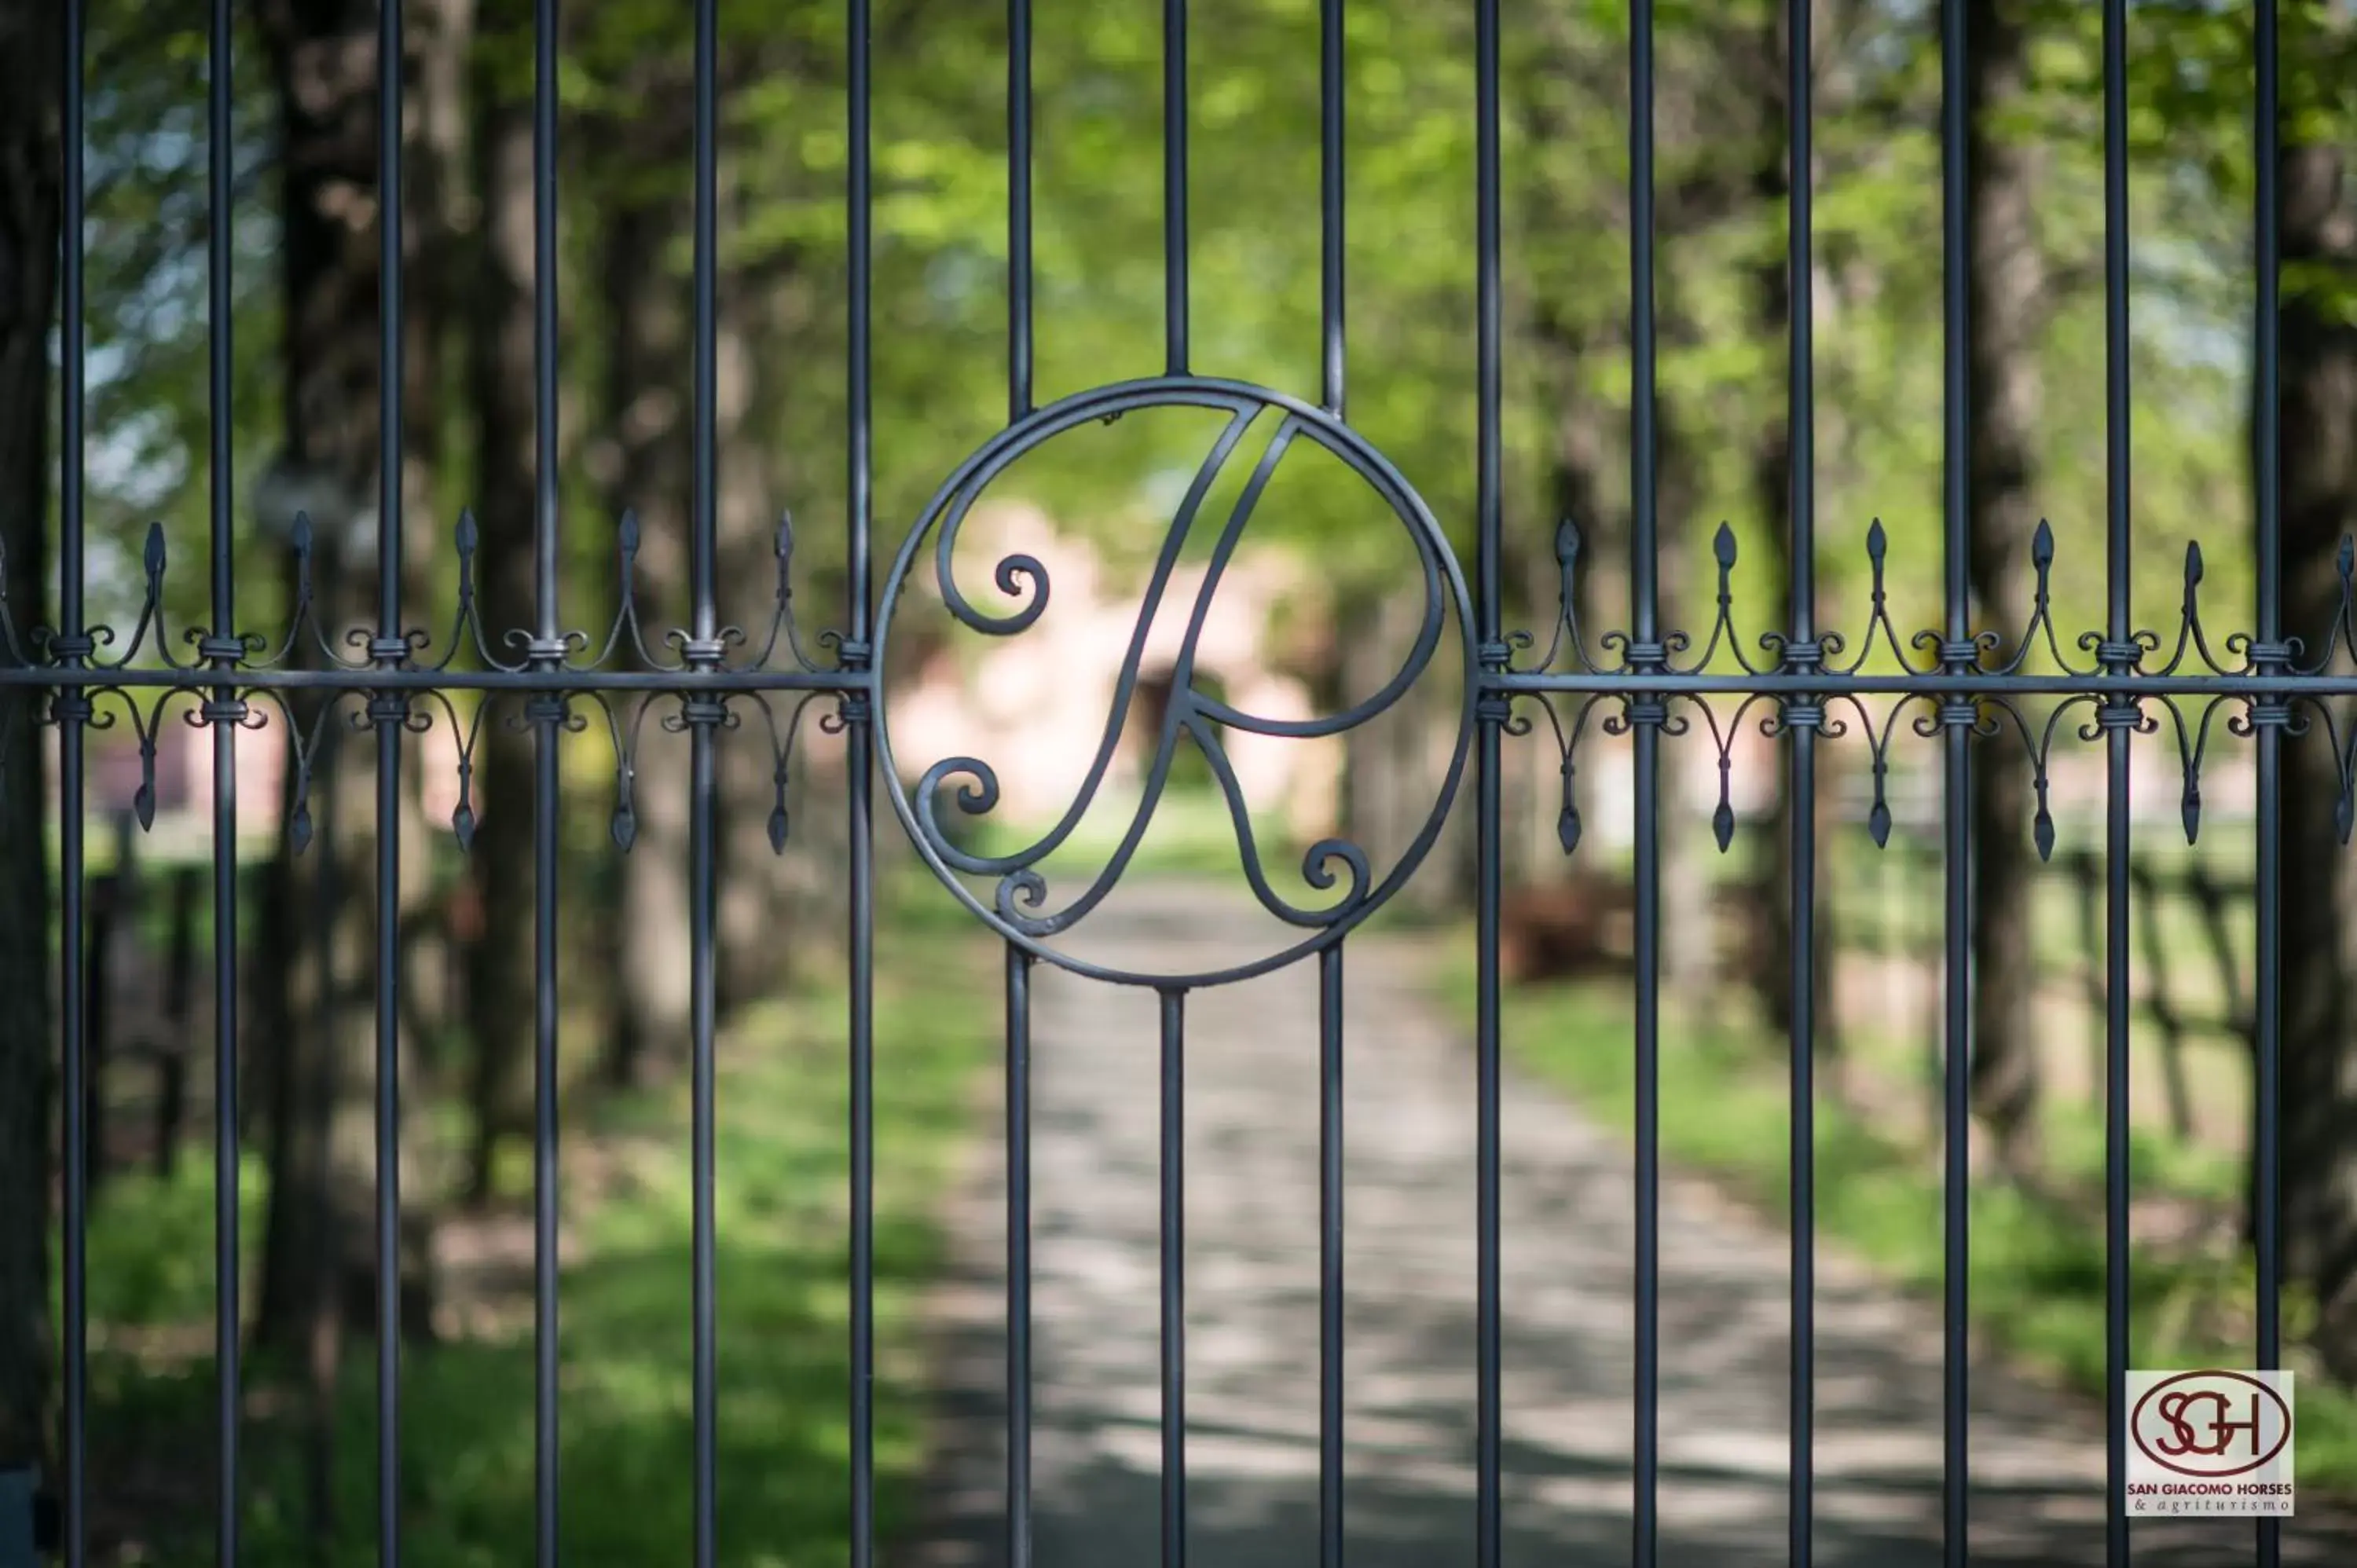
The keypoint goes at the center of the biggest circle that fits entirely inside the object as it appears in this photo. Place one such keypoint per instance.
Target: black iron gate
(1807, 682)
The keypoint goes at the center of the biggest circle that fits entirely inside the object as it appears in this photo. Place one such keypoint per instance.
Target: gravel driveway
(1251, 1281)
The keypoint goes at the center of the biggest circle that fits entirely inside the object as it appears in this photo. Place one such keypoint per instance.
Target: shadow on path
(1252, 1319)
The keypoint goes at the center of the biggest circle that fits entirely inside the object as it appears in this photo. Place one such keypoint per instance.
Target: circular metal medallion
(1018, 901)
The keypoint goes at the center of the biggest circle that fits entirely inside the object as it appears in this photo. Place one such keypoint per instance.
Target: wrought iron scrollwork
(242, 678)
(1938, 682)
(2047, 687)
(1018, 903)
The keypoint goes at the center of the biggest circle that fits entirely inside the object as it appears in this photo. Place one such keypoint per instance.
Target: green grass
(2037, 1267)
(784, 1442)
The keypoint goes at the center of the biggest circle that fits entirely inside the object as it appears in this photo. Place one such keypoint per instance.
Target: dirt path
(1252, 1280)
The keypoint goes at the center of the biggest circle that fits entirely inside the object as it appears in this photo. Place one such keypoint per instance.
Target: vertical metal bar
(2117, 838)
(221, 166)
(700, 937)
(549, 712)
(1801, 432)
(1644, 589)
(390, 713)
(221, 163)
(2267, 433)
(859, 218)
(1489, 511)
(1957, 1106)
(2267, 368)
(1174, 181)
(388, 1138)
(1644, 1538)
(1799, 266)
(704, 716)
(1801, 1521)
(390, 101)
(1018, 1256)
(2117, 533)
(73, 709)
(1174, 1279)
(1018, 209)
(1329, 123)
(1329, 1285)
(702, 546)
(2266, 1159)
(226, 1248)
(1489, 1500)
(859, 743)
(858, 750)
(1958, 720)
(545, 1191)
(2091, 925)
(545, 549)
(1488, 502)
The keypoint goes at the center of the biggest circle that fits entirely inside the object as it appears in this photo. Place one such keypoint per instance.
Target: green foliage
(144, 1270)
(626, 1419)
(150, 419)
(940, 287)
(940, 249)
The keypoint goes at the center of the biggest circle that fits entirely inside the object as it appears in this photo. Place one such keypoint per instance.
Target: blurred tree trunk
(1393, 764)
(318, 1265)
(29, 165)
(2319, 887)
(647, 399)
(1773, 293)
(2007, 285)
(437, 214)
(500, 992)
(754, 917)
(1689, 764)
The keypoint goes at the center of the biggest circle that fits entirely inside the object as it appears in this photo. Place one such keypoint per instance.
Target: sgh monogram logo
(2209, 1442)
